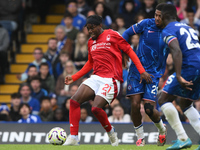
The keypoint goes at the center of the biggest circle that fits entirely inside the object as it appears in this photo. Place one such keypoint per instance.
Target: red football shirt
(105, 56)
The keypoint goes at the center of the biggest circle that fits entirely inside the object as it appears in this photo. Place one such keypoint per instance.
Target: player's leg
(137, 118)
(107, 92)
(154, 115)
(191, 113)
(149, 98)
(83, 94)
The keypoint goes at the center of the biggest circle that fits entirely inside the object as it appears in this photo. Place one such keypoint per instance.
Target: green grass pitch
(83, 147)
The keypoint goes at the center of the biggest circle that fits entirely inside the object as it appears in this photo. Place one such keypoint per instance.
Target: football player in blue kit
(185, 82)
(152, 53)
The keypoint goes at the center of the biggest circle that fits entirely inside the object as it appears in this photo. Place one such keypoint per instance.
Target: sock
(139, 131)
(101, 115)
(74, 137)
(194, 118)
(173, 118)
(161, 128)
(74, 117)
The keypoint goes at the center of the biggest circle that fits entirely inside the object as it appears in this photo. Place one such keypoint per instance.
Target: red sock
(101, 115)
(74, 117)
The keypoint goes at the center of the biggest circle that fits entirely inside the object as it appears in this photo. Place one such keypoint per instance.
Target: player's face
(158, 18)
(94, 30)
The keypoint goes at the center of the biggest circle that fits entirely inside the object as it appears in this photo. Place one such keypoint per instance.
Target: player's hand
(184, 83)
(146, 77)
(68, 80)
(125, 59)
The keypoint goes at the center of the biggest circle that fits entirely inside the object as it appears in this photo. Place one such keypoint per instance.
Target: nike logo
(151, 31)
(181, 146)
(71, 125)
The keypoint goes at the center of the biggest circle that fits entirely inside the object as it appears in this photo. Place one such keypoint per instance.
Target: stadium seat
(43, 28)
(24, 58)
(4, 98)
(11, 78)
(28, 48)
(58, 9)
(18, 68)
(38, 38)
(54, 19)
(8, 89)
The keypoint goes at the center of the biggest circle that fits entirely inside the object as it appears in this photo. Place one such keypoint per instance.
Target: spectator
(60, 65)
(149, 8)
(79, 20)
(38, 55)
(61, 89)
(4, 43)
(191, 20)
(64, 43)
(53, 101)
(65, 107)
(58, 115)
(80, 51)
(9, 13)
(135, 42)
(90, 13)
(180, 7)
(47, 80)
(32, 72)
(25, 91)
(37, 91)
(4, 113)
(70, 29)
(25, 112)
(128, 13)
(120, 23)
(140, 16)
(14, 109)
(84, 116)
(82, 7)
(46, 113)
(118, 115)
(52, 53)
(101, 10)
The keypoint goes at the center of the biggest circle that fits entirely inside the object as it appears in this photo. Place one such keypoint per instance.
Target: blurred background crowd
(42, 95)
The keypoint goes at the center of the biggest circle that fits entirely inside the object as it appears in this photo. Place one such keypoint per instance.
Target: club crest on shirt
(129, 87)
(108, 37)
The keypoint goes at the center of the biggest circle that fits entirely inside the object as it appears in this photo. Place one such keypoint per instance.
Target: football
(57, 136)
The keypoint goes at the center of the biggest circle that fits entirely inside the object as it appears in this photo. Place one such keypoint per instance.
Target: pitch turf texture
(84, 147)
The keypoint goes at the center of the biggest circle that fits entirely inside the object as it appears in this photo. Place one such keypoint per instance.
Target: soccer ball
(57, 136)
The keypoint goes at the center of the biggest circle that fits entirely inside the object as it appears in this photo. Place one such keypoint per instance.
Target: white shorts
(108, 88)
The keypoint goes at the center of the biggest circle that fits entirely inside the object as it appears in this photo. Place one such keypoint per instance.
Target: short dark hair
(169, 11)
(160, 6)
(15, 95)
(52, 39)
(189, 10)
(68, 14)
(32, 66)
(94, 19)
(44, 98)
(36, 78)
(44, 64)
(24, 84)
(24, 104)
(38, 48)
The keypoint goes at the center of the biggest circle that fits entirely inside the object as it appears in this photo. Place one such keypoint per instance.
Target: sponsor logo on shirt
(151, 31)
(101, 45)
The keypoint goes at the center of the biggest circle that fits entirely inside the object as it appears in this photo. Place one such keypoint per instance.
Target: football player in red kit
(105, 58)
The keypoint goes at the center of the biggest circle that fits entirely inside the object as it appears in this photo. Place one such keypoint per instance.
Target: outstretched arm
(177, 58)
(86, 68)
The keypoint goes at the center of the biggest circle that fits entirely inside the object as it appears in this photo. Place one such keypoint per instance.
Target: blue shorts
(135, 87)
(173, 87)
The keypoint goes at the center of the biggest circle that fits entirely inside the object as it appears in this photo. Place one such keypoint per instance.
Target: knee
(148, 109)
(135, 106)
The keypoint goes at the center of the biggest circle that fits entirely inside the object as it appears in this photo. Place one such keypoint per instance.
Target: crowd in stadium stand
(44, 95)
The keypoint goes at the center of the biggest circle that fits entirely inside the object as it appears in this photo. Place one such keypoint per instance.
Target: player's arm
(129, 32)
(86, 68)
(177, 58)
